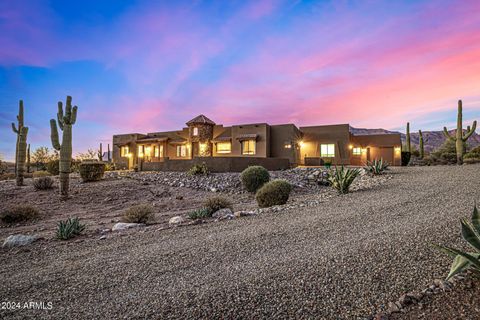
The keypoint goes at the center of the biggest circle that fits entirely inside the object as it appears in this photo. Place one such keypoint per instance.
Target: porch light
(398, 149)
(350, 146)
(302, 144)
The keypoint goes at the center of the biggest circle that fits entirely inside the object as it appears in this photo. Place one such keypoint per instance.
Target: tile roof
(201, 119)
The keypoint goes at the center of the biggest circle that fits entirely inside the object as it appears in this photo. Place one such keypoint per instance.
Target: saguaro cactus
(108, 153)
(409, 145)
(460, 138)
(28, 158)
(21, 146)
(420, 144)
(65, 122)
(18, 129)
(100, 153)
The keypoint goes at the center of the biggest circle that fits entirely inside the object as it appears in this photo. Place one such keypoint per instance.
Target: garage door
(385, 153)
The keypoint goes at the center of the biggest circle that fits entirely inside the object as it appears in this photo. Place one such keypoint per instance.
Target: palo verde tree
(460, 138)
(21, 147)
(65, 122)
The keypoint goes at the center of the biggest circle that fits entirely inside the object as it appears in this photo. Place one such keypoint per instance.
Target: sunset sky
(143, 66)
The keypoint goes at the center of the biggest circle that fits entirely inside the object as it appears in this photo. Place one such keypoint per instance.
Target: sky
(146, 66)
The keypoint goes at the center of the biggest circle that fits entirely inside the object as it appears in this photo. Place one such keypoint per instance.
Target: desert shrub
(406, 158)
(43, 183)
(38, 174)
(200, 214)
(69, 228)
(3, 167)
(415, 153)
(53, 167)
(465, 260)
(273, 193)
(18, 214)
(110, 166)
(254, 177)
(446, 153)
(91, 170)
(198, 169)
(141, 213)
(7, 176)
(476, 151)
(75, 165)
(376, 167)
(342, 178)
(428, 161)
(216, 203)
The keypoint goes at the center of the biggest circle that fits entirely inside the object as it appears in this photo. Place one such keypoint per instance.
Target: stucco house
(237, 146)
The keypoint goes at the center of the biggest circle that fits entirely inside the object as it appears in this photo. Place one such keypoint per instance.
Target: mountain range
(431, 139)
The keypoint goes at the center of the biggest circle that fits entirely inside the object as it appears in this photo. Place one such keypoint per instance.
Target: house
(235, 147)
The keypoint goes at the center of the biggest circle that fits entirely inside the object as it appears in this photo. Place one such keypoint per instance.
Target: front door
(195, 149)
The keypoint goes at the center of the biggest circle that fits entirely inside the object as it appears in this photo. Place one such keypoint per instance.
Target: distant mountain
(431, 139)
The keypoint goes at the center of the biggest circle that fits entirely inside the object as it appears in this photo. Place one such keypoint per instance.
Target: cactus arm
(68, 113)
(73, 118)
(470, 131)
(14, 128)
(20, 114)
(54, 135)
(60, 115)
(447, 135)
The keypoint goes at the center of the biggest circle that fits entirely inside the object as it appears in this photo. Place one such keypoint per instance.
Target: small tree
(89, 155)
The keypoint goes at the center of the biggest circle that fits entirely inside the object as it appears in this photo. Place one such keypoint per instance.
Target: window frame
(181, 151)
(249, 143)
(357, 151)
(224, 143)
(124, 151)
(195, 132)
(328, 151)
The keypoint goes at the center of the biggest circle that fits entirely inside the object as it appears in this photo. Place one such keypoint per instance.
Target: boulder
(177, 220)
(225, 213)
(124, 226)
(19, 240)
(239, 214)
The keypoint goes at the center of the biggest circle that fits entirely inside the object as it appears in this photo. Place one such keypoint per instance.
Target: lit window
(124, 151)
(287, 145)
(357, 151)
(195, 131)
(158, 151)
(327, 150)
(224, 147)
(140, 151)
(148, 151)
(248, 147)
(181, 151)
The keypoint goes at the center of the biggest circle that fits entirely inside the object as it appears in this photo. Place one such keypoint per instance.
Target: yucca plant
(376, 167)
(342, 178)
(466, 260)
(69, 228)
(200, 214)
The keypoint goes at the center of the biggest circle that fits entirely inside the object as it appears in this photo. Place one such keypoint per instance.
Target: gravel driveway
(340, 260)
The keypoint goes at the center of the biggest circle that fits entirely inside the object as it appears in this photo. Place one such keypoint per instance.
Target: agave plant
(342, 178)
(466, 260)
(376, 167)
(69, 228)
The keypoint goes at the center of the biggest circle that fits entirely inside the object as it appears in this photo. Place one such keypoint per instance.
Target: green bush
(91, 170)
(200, 214)
(18, 213)
(216, 203)
(273, 193)
(254, 177)
(141, 213)
(376, 167)
(466, 260)
(69, 228)
(53, 167)
(43, 183)
(342, 178)
(198, 169)
(39, 174)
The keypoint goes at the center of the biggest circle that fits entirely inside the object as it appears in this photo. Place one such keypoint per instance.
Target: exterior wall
(219, 164)
(204, 138)
(339, 135)
(129, 140)
(282, 135)
(376, 146)
(262, 146)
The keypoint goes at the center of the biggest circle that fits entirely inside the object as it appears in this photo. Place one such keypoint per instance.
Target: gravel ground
(342, 259)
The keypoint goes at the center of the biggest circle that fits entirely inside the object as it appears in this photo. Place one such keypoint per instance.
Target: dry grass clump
(18, 213)
(141, 213)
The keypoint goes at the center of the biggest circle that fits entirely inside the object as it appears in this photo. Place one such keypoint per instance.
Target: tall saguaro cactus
(460, 138)
(100, 153)
(409, 145)
(28, 158)
(420, 144)
(21, 146)
(65, 122)
(108, 153)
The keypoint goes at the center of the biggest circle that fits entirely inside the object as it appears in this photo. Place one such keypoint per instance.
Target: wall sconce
(398, 149)
(350, 146)
(301, 144)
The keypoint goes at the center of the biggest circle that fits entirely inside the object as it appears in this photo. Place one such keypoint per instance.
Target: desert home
(235, 147)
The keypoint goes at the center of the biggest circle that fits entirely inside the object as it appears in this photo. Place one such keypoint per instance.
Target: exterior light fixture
(350, 146)
(301, 144)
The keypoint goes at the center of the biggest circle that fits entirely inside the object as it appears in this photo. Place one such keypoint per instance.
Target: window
(124, 151)
(224, 147)
(148, 152)
(327, 150)
(158, 151)
(140, 151)
(248, 147)
(182, 151)
(195, 131)
(357, 151)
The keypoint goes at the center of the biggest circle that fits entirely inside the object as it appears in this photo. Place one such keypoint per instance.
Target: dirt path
(340, 260)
